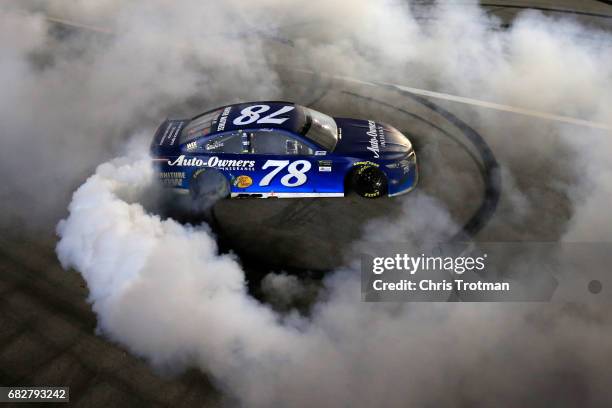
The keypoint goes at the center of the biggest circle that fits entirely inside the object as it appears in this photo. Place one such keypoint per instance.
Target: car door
(285, 165)
(223, 153)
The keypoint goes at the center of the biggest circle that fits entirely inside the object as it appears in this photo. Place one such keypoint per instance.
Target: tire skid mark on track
(488, 166)
(492, 175)
(300, 214)
(466, 101)
(318, 83)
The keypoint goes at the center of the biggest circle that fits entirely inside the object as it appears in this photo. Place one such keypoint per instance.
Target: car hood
(371, 139)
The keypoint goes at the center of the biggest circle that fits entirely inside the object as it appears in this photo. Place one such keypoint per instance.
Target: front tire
(369, 181)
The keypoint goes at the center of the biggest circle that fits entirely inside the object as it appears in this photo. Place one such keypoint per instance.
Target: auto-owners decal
(377, 140)
(295, 172)
(214, 162)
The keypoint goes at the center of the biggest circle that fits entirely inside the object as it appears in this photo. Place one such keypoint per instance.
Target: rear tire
(368, 181)
(207, 187)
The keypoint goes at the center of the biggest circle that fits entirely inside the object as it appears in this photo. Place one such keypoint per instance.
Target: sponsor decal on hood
(376, 133)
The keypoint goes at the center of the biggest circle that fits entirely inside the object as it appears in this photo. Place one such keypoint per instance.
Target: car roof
(229, 113)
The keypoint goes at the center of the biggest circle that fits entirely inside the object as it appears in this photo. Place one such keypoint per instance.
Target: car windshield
(321, 129)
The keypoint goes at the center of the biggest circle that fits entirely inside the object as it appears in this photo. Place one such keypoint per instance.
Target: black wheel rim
(374, 180)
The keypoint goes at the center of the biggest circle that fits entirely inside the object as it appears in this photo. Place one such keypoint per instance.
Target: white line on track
(505, 108)
(417, 91)
(481, 103)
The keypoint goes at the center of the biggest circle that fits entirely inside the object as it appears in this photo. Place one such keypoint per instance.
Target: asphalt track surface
(47, 330)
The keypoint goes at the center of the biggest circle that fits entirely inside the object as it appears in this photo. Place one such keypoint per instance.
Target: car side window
(279, 143)
(228, 143)
(200, 126)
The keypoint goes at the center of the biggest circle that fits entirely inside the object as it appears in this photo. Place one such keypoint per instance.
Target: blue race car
(281, 149)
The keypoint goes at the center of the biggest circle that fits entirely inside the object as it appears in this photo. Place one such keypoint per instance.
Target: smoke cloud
(163, 290)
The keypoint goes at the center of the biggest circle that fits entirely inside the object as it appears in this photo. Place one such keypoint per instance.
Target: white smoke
(162, 289)
(70, 97)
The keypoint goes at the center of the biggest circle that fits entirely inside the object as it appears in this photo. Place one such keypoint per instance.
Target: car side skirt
(285, 195)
